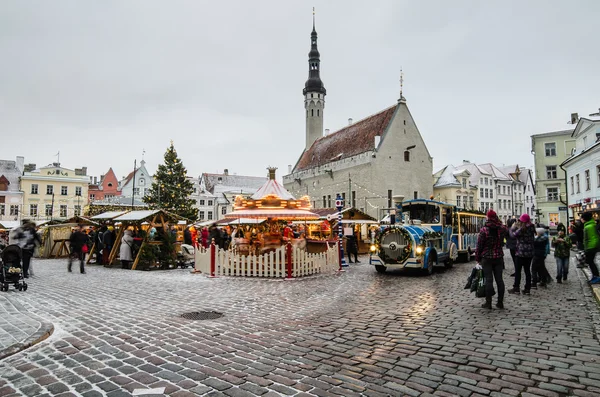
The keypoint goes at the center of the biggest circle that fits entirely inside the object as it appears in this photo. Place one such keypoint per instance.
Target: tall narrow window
(415, 195)
(312, 112)
(577, 183)
(317, 112)
(389, 199)
(324, 202)
(63, 211)
(353, 199)
(587, 180)
(406, 155)
(572, 185)
(329, 201)
(550, 149)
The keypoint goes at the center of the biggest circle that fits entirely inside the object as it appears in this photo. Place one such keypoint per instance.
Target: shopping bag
(480, 291)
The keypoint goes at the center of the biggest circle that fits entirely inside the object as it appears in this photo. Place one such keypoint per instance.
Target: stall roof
(109, 215)
(205, 223)
(9, 224)
(136, 215)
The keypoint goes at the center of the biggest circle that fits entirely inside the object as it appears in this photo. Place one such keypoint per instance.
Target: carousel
(276, 208)
(264, 240)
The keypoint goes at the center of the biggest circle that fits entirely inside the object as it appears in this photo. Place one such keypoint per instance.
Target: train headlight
(373, 248)
(419, 250)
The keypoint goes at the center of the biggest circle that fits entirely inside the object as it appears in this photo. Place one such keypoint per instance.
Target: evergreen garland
(403, 254)
(171, 190)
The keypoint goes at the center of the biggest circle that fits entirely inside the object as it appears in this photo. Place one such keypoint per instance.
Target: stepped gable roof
(349, 141)
(232, 182)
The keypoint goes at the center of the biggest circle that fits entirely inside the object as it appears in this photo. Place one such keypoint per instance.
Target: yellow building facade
(54, 192)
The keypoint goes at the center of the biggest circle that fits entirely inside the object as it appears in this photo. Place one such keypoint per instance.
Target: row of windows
(48, 210)
(487, 193)
(575, 185)
(208, 217)
(464, 201)
(64, 190)
(209, 202)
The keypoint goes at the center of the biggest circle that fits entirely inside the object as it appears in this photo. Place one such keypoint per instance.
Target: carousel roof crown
(274, 201)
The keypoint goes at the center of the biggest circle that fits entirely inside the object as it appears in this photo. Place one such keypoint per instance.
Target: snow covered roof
(498, 173)
(136, 215)
(448, 177)
(231, 182)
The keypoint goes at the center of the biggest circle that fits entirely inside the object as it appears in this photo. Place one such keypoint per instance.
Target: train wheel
(380, 268)
(430, 265)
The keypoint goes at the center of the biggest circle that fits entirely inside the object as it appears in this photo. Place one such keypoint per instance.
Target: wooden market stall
(105, 218)
(142, 223)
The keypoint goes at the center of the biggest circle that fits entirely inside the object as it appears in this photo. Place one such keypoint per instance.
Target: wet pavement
(355, 333)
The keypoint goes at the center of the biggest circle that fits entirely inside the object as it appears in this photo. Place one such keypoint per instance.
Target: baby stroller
(185, 257)
(12, 269)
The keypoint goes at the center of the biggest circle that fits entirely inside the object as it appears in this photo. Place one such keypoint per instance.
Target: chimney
(596, 114)
(574, 118)
(350, 121)
(29, 168)
(20, 163)
(289, 168)
(95, 180)
(377, 140)
(326, 131)
(225, 171)
(466, 162)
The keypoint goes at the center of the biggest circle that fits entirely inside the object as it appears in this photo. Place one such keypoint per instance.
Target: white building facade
(138, 182)
(11, 196)
(583, 168)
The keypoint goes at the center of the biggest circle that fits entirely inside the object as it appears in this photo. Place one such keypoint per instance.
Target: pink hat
(491, 214)
(524, 218)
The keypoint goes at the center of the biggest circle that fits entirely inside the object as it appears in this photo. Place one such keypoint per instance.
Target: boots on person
(500, 304)
(487, 304)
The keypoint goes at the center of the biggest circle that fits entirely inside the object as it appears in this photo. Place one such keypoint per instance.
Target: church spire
(314, 83)
(314, 92)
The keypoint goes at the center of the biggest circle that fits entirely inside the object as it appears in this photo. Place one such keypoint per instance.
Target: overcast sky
(102, 81)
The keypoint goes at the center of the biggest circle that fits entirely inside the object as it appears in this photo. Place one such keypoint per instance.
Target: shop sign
(562, 208)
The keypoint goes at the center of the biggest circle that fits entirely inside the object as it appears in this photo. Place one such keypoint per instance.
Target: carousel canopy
(272, 201)
(277, 213)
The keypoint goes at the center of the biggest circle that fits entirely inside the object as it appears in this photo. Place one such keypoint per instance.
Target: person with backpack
(591, 243)
(539, 273)
(490, 256)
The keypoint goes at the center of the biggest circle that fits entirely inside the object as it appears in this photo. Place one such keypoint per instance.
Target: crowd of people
(529, 246)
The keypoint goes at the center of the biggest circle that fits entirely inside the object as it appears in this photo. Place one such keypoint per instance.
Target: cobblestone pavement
(356, 333)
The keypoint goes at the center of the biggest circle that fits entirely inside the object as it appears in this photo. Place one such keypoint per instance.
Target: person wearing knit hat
(524, 234)
(490, 256)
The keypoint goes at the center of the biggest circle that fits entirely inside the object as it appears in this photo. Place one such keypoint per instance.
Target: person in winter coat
(77, 240)
(204, 237)
(27, 238)
(562, 251)
(539, 273)
(524, 232)
(352, 248)
(591, 244)
(108, 239)
(194, 236)
(126, 249)
(187, 236)
(490, 256)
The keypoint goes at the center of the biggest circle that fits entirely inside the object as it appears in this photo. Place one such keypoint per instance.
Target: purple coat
(524, 236)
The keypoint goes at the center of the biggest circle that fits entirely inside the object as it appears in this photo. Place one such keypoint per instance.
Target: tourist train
(428, 233)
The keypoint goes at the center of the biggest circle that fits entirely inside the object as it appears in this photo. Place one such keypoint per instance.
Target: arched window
(317, 112)
(406, 155)
(312, 112)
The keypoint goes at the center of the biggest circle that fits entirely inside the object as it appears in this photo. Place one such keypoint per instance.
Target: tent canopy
(273, 213)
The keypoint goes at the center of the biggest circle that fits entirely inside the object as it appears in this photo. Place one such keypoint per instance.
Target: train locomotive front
(402, 246)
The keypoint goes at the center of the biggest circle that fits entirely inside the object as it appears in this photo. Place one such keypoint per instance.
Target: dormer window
(464, 183)
(109, 184)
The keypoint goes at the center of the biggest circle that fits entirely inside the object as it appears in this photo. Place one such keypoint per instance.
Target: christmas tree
(171, 189)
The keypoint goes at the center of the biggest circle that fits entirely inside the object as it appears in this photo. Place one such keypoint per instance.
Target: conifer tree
(171, 190)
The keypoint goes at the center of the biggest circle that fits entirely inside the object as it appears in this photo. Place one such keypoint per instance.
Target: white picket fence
(272, 264)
